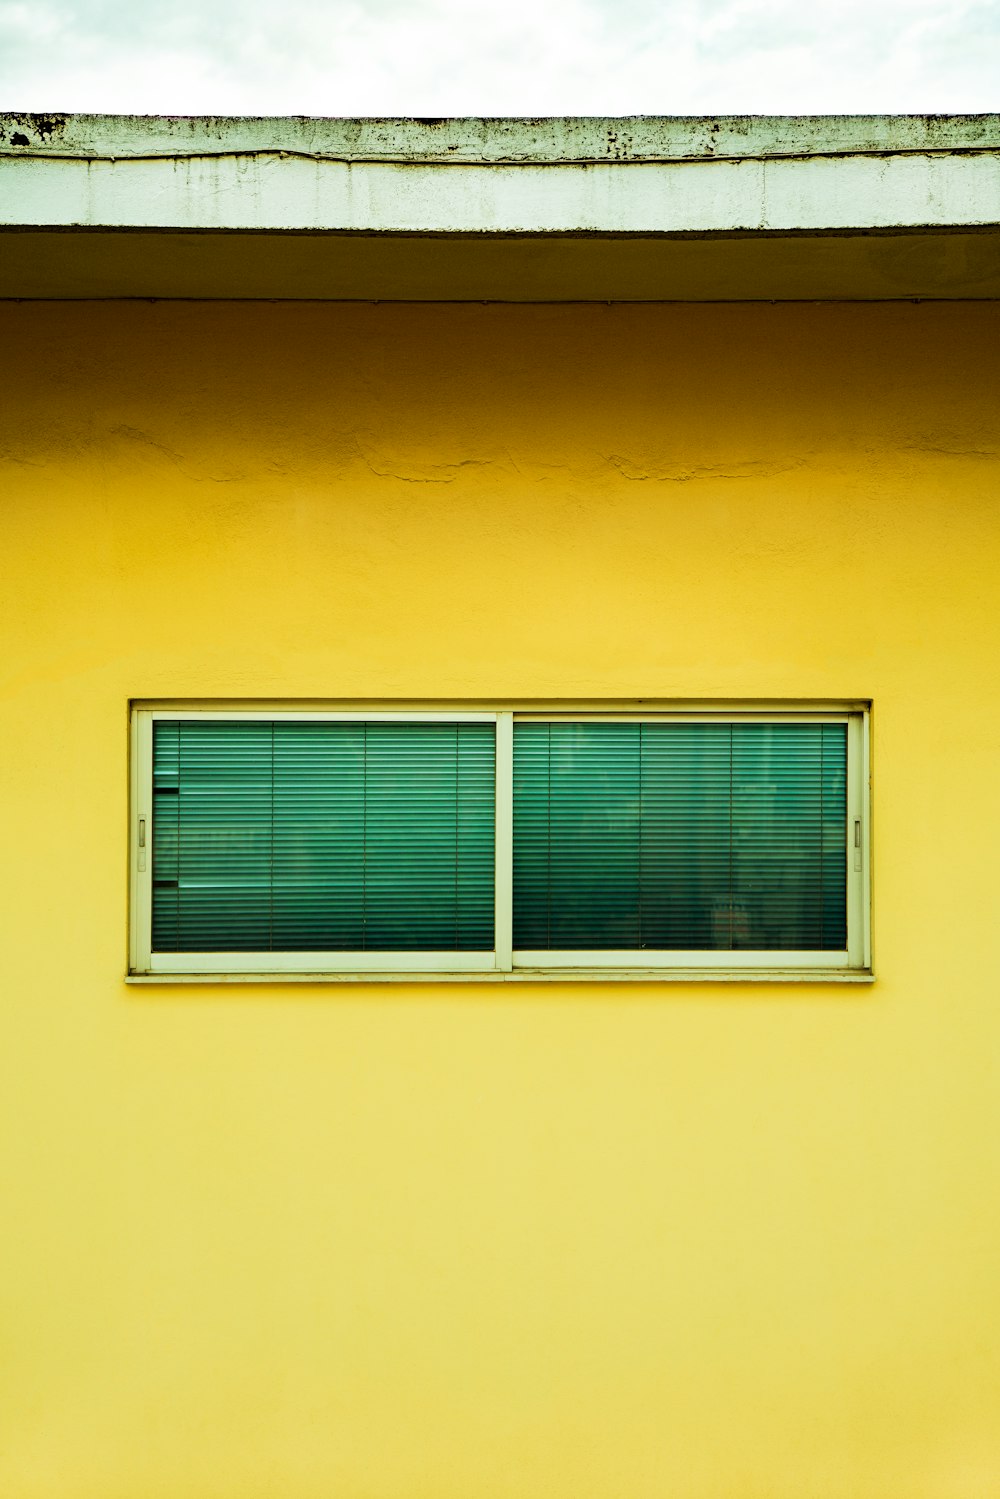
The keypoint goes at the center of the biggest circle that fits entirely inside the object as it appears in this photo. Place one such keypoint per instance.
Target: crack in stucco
(145, 439)
(945, 451)
(384, 467)
(684, 473)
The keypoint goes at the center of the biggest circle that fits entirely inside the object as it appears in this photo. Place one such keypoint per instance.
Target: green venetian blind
(290, 836)
(680, 836)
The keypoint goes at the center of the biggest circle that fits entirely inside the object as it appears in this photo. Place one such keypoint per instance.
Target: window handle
(141, 861)
(857, 844)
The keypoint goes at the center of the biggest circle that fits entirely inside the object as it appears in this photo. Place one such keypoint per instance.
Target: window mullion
(504, 873)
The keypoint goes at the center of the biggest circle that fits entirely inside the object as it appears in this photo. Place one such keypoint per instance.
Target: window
(504, 843)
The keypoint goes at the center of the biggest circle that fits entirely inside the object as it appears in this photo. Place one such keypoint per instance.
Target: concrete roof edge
(546, 141)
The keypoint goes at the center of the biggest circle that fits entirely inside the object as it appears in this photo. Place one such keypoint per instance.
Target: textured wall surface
(575, 1242)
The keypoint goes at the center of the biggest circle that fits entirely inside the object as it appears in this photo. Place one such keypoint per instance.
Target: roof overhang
(639, 209)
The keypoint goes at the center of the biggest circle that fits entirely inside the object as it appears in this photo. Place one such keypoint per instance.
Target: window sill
(531, 976)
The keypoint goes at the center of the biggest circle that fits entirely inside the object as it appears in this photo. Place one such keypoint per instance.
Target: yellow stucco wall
(551, 1242)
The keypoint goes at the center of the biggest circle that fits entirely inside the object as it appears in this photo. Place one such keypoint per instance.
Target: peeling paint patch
(26, 129)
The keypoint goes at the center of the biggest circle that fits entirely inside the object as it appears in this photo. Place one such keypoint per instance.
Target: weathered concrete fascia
(565, 141)
(280, 195)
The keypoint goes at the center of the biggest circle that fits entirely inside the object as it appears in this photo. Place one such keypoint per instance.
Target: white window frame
(503, 963)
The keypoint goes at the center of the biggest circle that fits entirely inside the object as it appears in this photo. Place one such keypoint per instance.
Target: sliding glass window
(501, 841)
(680, 837)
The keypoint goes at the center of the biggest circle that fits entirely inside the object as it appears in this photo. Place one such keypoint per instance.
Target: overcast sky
(510, 57)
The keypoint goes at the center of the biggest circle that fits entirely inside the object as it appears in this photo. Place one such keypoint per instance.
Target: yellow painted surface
(536, 1242)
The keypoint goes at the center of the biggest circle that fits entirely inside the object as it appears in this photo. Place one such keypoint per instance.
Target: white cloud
(442, 57)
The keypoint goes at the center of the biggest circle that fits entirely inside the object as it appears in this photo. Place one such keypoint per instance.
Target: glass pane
(680, 836)
(291, 836)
